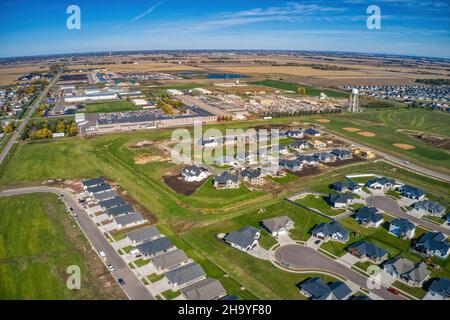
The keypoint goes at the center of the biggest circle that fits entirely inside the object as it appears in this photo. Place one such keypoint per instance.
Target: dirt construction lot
(180, 186)
(404, 146)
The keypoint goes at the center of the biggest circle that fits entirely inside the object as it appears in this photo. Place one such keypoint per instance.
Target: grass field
(37, 244)
(319, 203)
(310, 91)
(111, 106)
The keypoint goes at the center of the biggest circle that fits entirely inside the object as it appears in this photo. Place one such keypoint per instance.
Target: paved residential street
(133, 287)
(300, 257)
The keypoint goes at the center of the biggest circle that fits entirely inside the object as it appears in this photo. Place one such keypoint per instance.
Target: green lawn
(111, 106)
(155, 277)
(310, 91)
(319, 203)
(169, 294)
(37, 244)
(289, 177)
(414, 291)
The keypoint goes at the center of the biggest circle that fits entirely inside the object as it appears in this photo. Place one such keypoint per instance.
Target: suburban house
(412, 192)
(278, 225)
(209, 142)
(226, 180)
(282, 149)
(185, 275)
(105, 195)
(342, 154)
(129, 220)
(339, 200)
(111, 203)
(143, 235)
(252, 176)
(296, 134)
(310, 160)
(346, 185)
(155, 247)
(299, 145)
(382, 183)
(243, 239)
(325, 157)
(98, 189)
(246, 158)
(93, 183)
(331, 231)
(433, 244)
(439, 290)
(402, 228)
(316, 144)
(170, 260)
(120, 210)
(194, 173)
(316, 289)
(207, 289)
(272, 170)
(291, 165)
(368, 251)
(312, 132)
(369, 217)
(428, 207)
(413, 274)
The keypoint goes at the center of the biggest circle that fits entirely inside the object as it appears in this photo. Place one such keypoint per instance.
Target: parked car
(110, 267)
(70, 208)
(393, 290)
(121, 282)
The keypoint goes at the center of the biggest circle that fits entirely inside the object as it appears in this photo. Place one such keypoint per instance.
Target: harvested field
(367, 134)
(404, 146)
(180, 186)
(323, 120)
(350, 129)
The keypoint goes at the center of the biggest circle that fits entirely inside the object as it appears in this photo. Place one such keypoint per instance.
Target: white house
(194, 173)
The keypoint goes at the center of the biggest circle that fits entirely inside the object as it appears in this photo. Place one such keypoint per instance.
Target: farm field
(387, 127)
(37, 244)
(310, 91)
(111, 106)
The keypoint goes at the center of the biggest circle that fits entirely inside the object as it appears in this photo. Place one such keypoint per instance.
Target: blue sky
(415, 27)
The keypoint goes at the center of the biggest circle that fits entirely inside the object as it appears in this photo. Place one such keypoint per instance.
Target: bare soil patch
(308, 171)
(367, 134)
(351, 129)
(323, 120)
(404, 146)
(142, 144)
(146, 158)
(180, 186)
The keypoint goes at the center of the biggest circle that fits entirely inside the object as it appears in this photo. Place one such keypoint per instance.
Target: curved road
(391, 206)
(301, 257)
(133, 287)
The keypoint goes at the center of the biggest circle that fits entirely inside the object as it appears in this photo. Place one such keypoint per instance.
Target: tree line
(44, 129)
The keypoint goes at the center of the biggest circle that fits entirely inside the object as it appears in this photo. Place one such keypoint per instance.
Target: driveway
(300, 257)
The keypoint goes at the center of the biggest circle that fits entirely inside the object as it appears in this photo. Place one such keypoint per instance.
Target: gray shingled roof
(144, 234)
(117, 211)
(129, 218)
(369, 214)
(207, 289)
(106, 195)
(155, 246)
(114, 202)
(243, 237)
(419, 273)
(429, 206)
(277, 223)
(99, 188)
(170, 259)
(185, 274)
(328, 229)
(368, 249)
(225, 176)
(93, 182)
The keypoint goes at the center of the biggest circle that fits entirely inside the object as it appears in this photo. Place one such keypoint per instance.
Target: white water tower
(354, 101)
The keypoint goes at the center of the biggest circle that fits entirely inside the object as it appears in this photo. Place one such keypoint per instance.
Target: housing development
(224, 174)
